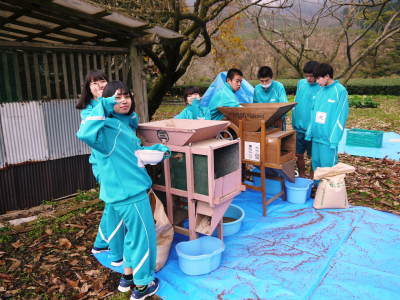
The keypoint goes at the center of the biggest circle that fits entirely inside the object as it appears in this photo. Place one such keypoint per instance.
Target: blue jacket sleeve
(256, 96)
(282, 97)
(92, 127)
(184, 114)
(342, 114)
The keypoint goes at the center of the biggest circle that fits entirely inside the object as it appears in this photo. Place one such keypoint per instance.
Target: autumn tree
(298, 37)
(197, 23)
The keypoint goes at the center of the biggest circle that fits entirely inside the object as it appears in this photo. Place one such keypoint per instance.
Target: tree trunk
(155, 97)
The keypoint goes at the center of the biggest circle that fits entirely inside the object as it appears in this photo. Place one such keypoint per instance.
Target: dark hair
(86, 94)
(322, 70)
(310, 66)
(113, 86)
(232, 72)
(190, 90)
(265, 72)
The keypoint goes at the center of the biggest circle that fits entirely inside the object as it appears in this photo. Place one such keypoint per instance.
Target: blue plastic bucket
(299, 191)
(234, 212)
(200, 256)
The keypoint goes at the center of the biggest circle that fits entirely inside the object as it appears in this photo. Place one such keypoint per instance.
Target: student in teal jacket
(328, 118)
(306, 90)
(225, 96)
(193, 109)
(268, 91)
(123, 185)
(92, 90)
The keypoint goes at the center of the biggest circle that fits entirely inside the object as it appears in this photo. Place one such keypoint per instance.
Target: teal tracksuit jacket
(275, 93)
(194, 111)
(328, 120)
(225, 96)
(305, 96)
(103, 237)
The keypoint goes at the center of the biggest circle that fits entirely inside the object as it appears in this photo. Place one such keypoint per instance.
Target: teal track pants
(111, 234)
(140, 245)
(323, 155)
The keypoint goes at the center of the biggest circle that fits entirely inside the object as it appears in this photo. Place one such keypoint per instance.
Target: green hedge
(372, 86)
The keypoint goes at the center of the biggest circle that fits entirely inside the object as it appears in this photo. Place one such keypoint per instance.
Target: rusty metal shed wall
(29, 184)
(23, 132)
(62, 121)
(2, 152)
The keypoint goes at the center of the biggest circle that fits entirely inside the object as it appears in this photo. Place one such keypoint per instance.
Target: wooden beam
(80, 69)
(6, 74)
(37, 76)
(65, 75)
(63, 47)
(28, 76)
(47, 75)
(56, 76)
(73, 74)
(136, 64)
(17, 77)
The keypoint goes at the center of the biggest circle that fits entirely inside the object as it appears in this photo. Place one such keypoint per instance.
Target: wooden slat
(56, 76)
(80, 67)
(28, 76)
(136, 63)
(47, 76)
(17, 77)
(125, 69)
(102, 62)
(73, 74)
(109, 70)
(6, 77)
(94, 61)
(116, 67)
(87, 59)
(37, 76)
(65, 74)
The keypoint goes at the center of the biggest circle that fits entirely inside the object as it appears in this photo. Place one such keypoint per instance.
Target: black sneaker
(125, 285)
(150, 290)
(96, 250)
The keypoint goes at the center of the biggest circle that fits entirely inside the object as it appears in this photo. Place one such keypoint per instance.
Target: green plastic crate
(364, 138)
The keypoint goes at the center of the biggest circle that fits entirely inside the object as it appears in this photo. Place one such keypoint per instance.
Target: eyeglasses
(98, 83)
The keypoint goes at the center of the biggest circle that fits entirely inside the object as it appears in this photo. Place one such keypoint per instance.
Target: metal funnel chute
(180, 132)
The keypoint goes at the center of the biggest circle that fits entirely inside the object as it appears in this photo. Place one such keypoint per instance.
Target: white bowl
(150, 157)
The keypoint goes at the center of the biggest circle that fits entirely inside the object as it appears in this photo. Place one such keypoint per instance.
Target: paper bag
(331, 193)
(164, 230)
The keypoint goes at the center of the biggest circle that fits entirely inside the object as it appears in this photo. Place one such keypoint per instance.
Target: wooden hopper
(252, 113)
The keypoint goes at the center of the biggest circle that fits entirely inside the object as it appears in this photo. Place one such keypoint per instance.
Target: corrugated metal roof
(62, 121)
(23, 132)
(71, 21)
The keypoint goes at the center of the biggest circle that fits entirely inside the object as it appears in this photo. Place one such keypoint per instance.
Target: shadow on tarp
(296, 252)
(390, 147)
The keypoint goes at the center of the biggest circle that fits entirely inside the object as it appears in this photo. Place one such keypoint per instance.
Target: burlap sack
(164, 230)
(331, 192)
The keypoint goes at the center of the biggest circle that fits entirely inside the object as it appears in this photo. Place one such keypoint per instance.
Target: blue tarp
(390, 147)
(244, 95)
(297, 252)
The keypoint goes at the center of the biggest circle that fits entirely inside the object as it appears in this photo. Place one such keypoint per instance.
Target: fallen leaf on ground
(65, 243)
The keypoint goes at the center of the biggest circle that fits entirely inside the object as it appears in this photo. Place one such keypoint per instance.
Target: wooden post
(56, 76)
(17, 76)
(136, 63)
(28, 76)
